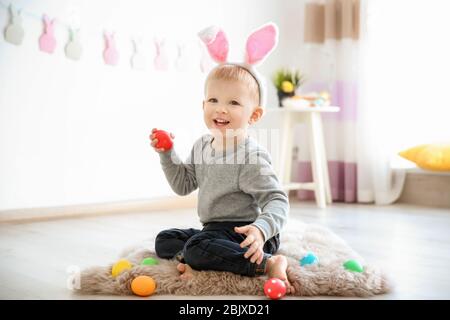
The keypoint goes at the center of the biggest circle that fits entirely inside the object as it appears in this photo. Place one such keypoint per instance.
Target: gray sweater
(234, 185)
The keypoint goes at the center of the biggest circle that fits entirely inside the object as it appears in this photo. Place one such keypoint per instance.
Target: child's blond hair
(236, 73)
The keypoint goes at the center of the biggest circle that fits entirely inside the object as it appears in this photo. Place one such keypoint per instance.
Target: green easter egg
(353, 265)
(149, 261)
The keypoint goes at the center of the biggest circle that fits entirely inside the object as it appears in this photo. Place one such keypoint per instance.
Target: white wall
(77, 132)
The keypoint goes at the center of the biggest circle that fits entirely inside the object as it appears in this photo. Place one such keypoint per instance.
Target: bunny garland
(214, 45)
(47, 41)
(138, 60)
(259, 45)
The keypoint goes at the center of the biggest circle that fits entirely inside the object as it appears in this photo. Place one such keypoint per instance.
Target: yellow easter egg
(143, 286)
(325, 95)
(287, 86)
(119, 266)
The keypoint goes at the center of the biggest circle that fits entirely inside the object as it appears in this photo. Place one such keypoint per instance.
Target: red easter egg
(274, 288)
(164, 140)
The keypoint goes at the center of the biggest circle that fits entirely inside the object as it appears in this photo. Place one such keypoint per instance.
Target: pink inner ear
(260, 43)
(218, 48)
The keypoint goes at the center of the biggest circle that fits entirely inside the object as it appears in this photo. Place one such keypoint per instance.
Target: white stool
(292, 114)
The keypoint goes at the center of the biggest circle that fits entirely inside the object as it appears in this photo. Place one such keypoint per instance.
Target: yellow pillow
(429, 156)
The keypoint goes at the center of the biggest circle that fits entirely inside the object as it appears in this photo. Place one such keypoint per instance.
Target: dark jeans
(216, 247)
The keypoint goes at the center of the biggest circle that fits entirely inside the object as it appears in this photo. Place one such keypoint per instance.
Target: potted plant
(287, 81)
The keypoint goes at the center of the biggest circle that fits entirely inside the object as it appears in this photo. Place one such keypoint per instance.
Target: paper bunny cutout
(110, 54)
(181, 62)
(260, 44)
(73, 47)
(161, 60)
(14, 32)
(138, 60)
(47, 41)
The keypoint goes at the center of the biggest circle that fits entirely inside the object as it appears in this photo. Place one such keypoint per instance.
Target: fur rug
(327, 278)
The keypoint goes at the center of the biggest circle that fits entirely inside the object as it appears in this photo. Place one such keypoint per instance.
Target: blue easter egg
(319, 102)
(310, 258)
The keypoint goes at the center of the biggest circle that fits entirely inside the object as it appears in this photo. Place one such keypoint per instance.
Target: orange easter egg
(143, 286)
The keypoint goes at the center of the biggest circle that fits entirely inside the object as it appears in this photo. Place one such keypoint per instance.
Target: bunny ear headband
(259, 45)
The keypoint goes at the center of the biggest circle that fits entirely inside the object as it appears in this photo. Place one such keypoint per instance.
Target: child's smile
(220, 122)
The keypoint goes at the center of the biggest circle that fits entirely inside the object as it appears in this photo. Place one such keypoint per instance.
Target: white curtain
(331, 62)
(386, 65)
(404, 76)
(378, 180)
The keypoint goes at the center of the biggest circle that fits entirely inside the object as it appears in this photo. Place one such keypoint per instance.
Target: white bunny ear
(13, 11)
(216, 42)
(109, 37)
(16, 16)
(46, 19)
(73, 33)
(261, 43)
(159, 41)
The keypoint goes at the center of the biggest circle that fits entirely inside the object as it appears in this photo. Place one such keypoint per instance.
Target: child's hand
(154, 141)
(255, 242)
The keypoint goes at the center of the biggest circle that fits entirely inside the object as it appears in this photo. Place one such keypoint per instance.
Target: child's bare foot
(276, 268)
(185, 270)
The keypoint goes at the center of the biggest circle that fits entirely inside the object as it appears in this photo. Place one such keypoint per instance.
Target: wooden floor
(411, 243)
